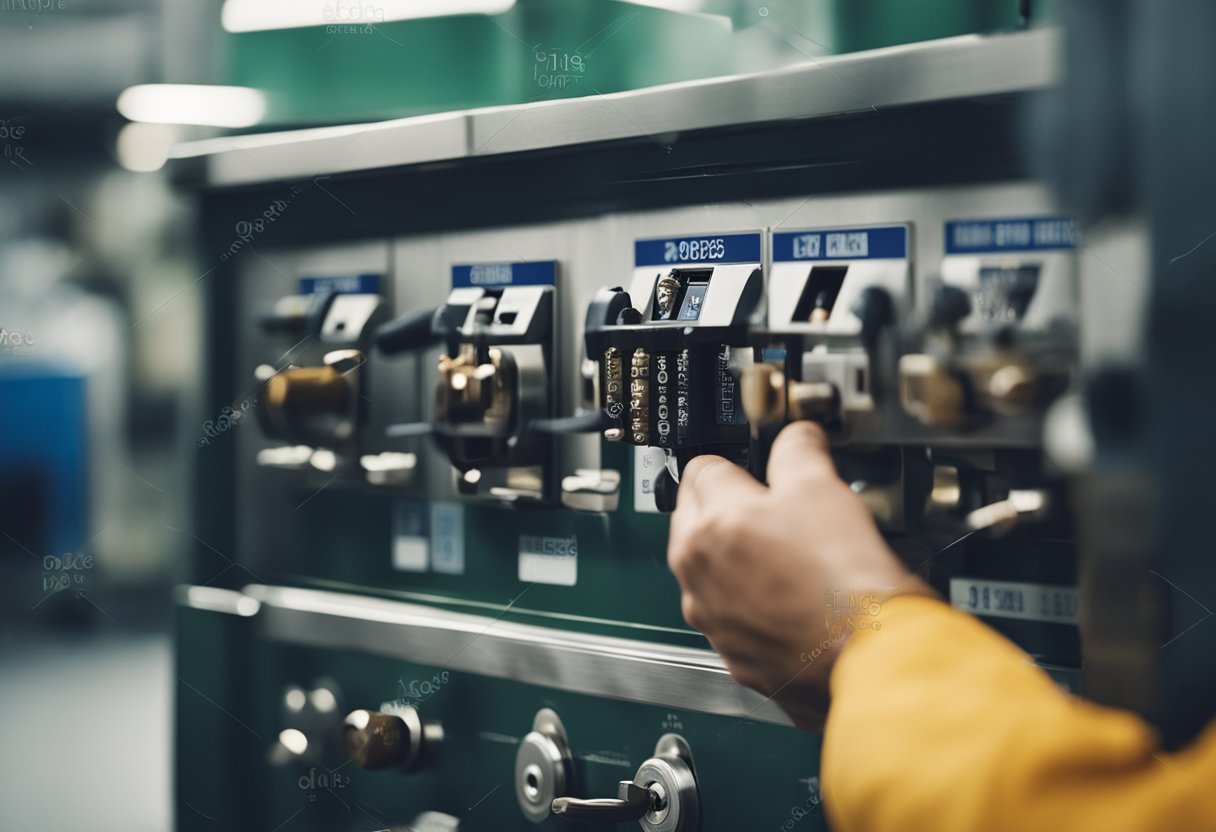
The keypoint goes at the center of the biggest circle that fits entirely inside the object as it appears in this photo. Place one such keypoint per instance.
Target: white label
(447, 538)
(806, 246)
(648, 463)
(1007, 599)
(694, 251)
(491, 274)
(411, 548)
(548, 560)
(851, 244)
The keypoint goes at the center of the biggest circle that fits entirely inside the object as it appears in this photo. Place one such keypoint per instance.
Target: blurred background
(100, 351)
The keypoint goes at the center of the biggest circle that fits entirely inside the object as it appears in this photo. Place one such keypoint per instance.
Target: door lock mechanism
(496, 377)
(543, 766)
(661, 797)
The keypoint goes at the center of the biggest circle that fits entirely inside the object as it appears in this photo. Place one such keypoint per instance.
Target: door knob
(400, 740)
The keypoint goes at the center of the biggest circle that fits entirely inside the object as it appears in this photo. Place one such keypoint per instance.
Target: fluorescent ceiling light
(686, 6)
(193, 104)
(257, 15)
(145, 147)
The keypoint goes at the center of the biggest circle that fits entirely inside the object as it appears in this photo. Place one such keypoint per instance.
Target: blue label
(497, 275)
(1028, 234)
(343, 284)
(705, 248)
(841, 244)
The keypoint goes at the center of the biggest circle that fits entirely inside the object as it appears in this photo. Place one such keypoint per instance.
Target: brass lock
(312, 403)
(399, 740)
(470, 391)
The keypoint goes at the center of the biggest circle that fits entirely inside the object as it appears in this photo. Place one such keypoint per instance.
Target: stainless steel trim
(299, 154)
(953, 68)
(653, 674)
(939, 70)
(214, 599)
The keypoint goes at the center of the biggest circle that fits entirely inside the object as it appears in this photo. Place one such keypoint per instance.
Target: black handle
(310, 320)
(592, 421)
(876, 311)
(665, 487)
(415, 331)
(950, 306)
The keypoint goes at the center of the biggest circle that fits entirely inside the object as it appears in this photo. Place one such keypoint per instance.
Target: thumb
(799, 457)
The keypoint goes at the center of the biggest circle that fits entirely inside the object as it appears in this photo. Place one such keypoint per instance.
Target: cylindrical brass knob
(929, 392)
(377, 741)
(815, 401)
(768, 400)
(763, 394)
(304, 403)
(1012, 386)
(308, 389)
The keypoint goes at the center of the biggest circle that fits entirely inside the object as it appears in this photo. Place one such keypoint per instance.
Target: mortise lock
(661, 797)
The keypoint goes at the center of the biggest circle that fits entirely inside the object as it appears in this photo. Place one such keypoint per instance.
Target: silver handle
(632, 803)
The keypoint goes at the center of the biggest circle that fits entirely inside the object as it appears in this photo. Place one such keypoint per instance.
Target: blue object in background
(44, 450)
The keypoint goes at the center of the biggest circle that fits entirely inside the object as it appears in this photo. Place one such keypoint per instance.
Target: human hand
(758, 564)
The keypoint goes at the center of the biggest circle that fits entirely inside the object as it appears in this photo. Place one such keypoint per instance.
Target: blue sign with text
(890, 242)
(343, 284)
(498, 275)
(702, 248)
(1023, 234)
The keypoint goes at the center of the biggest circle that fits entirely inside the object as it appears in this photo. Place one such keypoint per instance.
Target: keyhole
(532, 779)
(658, 801)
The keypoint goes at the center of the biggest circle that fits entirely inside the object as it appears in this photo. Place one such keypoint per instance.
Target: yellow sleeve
(939, 724)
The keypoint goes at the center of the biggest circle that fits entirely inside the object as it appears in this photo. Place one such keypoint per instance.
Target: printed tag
(648, 463)
(548, 560)
(447, 538)
(411, 547)
(1009, 599)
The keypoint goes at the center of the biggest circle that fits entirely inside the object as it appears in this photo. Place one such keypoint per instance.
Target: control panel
(453, 608)
(530, 394)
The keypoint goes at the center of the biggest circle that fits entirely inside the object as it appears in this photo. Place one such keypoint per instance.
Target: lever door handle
(632, 803)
